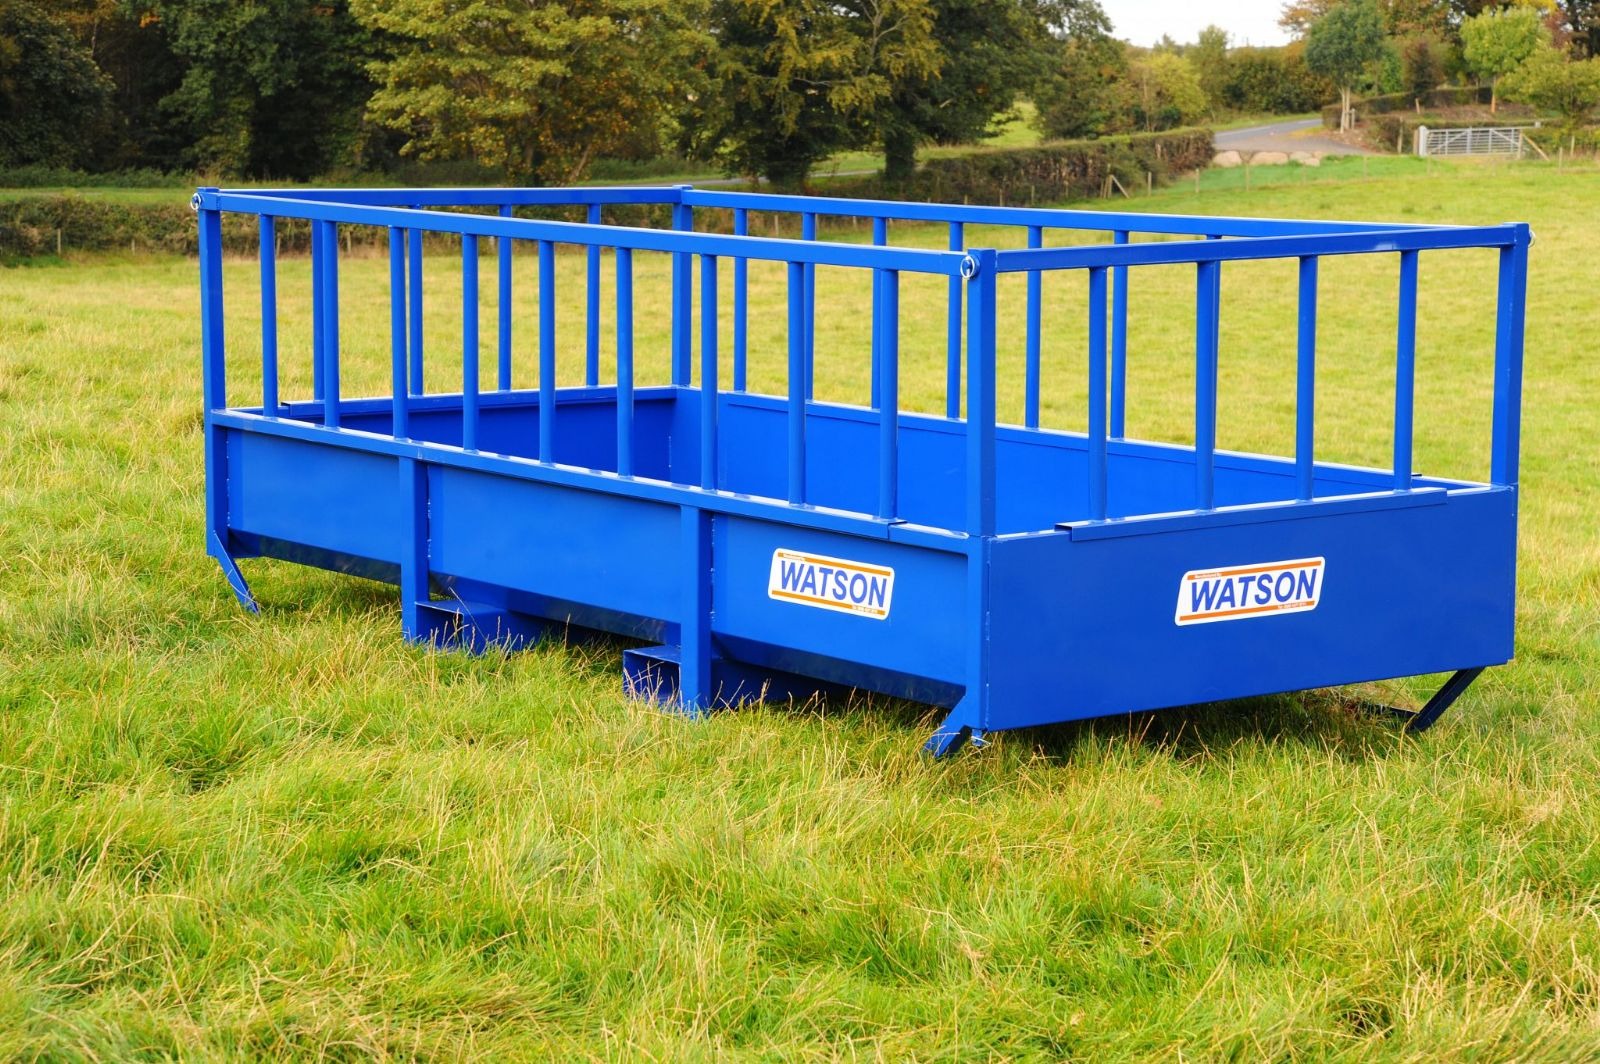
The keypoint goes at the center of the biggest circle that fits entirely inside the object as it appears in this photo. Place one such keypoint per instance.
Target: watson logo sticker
(1245, 591)
(831, 583)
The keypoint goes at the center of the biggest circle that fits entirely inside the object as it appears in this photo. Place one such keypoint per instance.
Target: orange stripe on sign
(832, 564)
(1214, 573)
(1303, 604)
(853, 606)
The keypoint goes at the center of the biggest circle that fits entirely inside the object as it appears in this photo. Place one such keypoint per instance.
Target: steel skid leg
(955, 731)
(230, 569)
(1422, 719)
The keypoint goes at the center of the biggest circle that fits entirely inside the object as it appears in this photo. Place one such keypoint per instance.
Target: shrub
(1273, 80)
(1402, 101)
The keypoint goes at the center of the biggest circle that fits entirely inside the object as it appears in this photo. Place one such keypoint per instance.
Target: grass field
(292, 835)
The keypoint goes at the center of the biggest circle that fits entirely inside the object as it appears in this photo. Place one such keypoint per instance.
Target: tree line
(539, 90)
(1545, 52)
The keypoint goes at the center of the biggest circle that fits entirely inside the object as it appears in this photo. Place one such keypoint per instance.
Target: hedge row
(1582, 141)
(1403, 101)
(42, 225)
(1049, 173)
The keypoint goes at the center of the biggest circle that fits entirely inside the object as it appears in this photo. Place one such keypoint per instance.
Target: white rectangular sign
(1240, 592)
(831, 583)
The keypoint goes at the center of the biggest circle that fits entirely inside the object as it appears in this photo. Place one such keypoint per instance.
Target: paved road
(1280, 136)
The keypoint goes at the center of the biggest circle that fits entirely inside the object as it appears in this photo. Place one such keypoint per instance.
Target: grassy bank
(292, 834)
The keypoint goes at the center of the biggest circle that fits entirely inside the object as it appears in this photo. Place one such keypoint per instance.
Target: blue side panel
(609, 552)
(1042, 476)
(588, 435)
(1087, 628)
(922, 636)
(327, 498)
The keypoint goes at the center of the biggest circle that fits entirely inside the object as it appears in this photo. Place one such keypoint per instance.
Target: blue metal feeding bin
(776, 543)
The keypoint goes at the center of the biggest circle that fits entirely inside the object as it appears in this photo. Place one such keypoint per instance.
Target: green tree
(1275, 80)
(1210, 58)
(1496, 42)
(129, 44)
(1341, 43)
(1161, 91)
(271, 88)
(534, 88)
(1421, 67)
(1551, 82)
(801, 79)
(52, 96)
(990, 52)
(1080, 96)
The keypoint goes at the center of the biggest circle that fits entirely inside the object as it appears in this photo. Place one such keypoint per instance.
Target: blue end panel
(610, 552)
(1087, 628)
(923, 635)
(327, 498)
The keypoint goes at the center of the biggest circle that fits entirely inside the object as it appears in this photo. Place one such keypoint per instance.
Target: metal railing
(408, 215)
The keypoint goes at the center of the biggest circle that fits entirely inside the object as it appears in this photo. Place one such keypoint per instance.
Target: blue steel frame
(1036, 591)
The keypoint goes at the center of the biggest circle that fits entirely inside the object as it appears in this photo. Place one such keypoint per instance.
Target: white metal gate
(1477, 140)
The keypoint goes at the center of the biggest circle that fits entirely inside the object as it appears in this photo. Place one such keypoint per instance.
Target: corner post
(214, 390)
(1511, 306)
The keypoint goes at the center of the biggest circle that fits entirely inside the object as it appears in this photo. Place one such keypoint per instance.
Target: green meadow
(293, 835)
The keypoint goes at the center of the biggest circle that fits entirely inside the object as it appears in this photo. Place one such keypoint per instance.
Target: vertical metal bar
(797, 383)
(708, 372)
(319, 261)
(808, 231)
(469, 342)
(1305, 403)
(625, 361)
(1511, 302)
(952, 371)
(414, 591)
(414, 307)
(547, 351)
(696, 690)
(591, 362)
(1205, 384)
(1119, 344)
(980, 392)
(330, 324)
(269, 317)
(1405, 371)
(682, 299)
(401, 427)
(213, 366)
(1030, 402)
(503, 374)
(880, 237)
(1097, 393)
(889, 398)
(741, 284)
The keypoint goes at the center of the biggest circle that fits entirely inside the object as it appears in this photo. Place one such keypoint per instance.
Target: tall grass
(293, 835)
